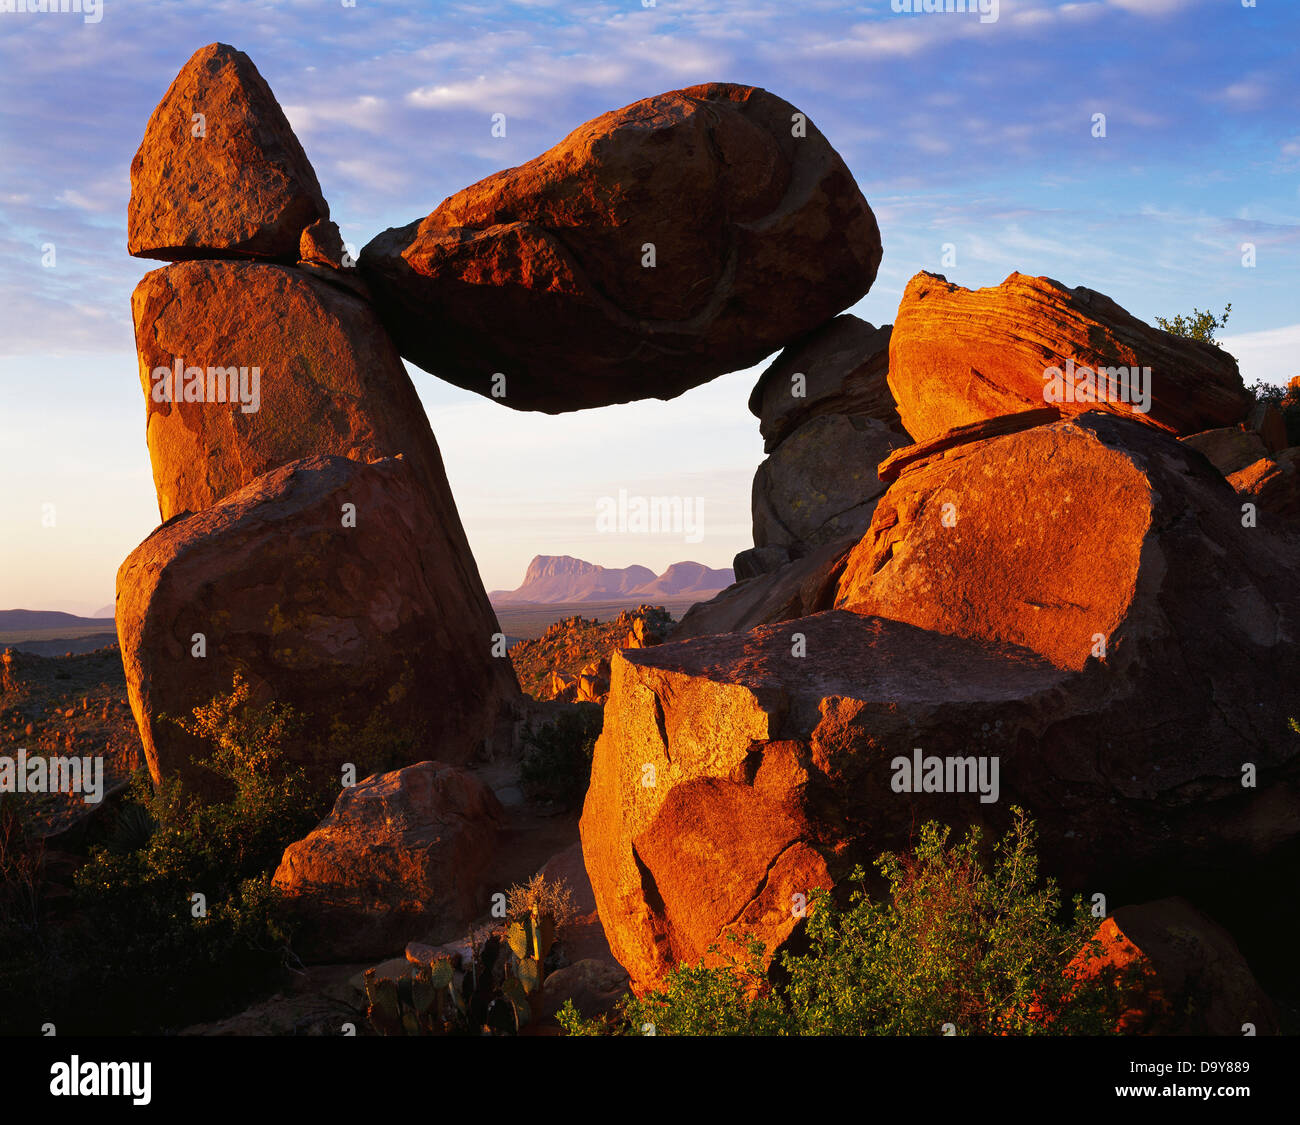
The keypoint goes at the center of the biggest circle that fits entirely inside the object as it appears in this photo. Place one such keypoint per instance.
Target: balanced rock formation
(220, 173)
(958, 356)
(1195, 980)
(1071, 618)
(654, 248)
(274, 365)
(331, 586)
(401, 855)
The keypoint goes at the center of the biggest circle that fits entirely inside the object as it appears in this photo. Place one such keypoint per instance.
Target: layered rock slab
(541, 273)
(958, 356)
(401, 854)
(219, 173)
(329, 585)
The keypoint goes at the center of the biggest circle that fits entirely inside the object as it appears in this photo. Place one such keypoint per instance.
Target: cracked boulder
(274, 364)
(654, 248)
(330, 586)
(958, 356)
(1164, 759)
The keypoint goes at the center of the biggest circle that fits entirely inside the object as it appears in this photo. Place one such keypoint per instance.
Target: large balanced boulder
(220, 173)
(330, 586)
(1071, 618)
(314, 370)
(401, 857)
(958, 356)
(654, 248)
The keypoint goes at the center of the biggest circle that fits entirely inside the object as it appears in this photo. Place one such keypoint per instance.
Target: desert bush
(1199, 326)
(136, 957)
(556, 762)
(960, 941)
(1286, 399)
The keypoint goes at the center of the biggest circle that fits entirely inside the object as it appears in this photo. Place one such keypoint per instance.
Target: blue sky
(978, 134)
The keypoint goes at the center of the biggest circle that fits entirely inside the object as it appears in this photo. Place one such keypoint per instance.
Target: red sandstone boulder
(1047, 538)
(541, 273)
(1273, 486)
(1194, 979)
(331, 586)
(219, 173)
(974, 645)
(315, 370)
(401, 855)
(958, 356)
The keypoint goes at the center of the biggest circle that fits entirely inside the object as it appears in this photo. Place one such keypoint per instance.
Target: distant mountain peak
(563, 578)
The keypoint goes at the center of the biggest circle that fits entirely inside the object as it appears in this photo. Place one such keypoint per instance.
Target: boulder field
(1017, 547)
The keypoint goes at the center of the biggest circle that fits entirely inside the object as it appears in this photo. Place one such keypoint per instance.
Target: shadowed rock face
(844, 365)
(242, 189)
(369, 630)
(796, 589)
(958, 356)
(536, 272)
(400, 854)
(1197, 982)
(1131, 764)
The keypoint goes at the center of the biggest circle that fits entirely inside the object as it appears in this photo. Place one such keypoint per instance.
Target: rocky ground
(68, 705)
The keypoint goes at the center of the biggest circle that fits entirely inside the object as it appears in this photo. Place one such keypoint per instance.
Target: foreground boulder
(220, 173)
(1095, 637)
(276, 365)
(1194, 978)
(958, 356)
(401, 856)
(330, 586)
(654, 248)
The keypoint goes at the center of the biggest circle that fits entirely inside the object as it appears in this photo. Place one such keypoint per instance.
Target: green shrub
(556, 763)
(1199, 326)
(961, 943)
(136, 958)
